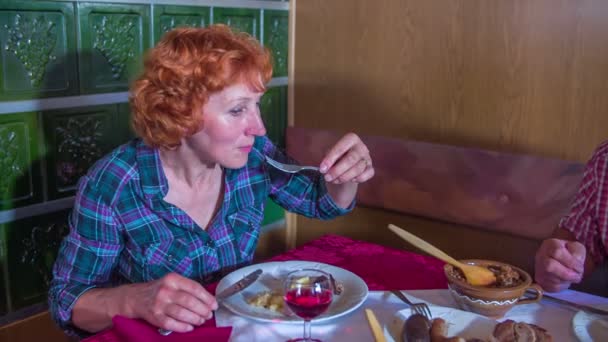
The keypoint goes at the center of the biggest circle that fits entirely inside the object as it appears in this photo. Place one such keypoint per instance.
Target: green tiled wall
(167, 18)
(275, 37)
(19, 160)
(31, 246)
(75, 139)
(62, 48)
(245, 20)
(111, 42)
(37, 55)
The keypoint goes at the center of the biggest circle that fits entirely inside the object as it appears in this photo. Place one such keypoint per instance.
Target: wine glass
(308, 293)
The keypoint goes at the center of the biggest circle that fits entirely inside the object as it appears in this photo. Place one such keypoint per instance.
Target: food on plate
(511, 331)
(416, 329)
(439, 331)
(506, 276)
(419, 329)
(272, 301)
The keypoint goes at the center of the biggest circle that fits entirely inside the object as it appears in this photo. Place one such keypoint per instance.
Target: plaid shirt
(588, 217)
(122, 231)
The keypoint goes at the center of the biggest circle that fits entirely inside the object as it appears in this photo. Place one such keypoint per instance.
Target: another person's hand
(172, 302)
(559, 263)
(347, 161)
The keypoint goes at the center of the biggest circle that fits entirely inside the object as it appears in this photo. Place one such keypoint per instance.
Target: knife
(573, 305)
(239, 285)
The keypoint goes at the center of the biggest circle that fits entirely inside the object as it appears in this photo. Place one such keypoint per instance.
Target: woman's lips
(246, 149)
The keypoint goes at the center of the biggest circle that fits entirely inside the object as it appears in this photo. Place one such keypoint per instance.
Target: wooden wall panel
(517, 76)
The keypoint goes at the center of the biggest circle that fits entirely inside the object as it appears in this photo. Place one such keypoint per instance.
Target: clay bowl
(490, 301)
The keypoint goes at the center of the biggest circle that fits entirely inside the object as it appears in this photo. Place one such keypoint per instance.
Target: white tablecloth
(555, 318)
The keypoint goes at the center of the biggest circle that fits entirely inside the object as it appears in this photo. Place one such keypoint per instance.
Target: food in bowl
(505, 275)
(492, 301)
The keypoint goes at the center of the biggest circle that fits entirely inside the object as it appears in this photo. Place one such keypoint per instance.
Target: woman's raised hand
(347, 161)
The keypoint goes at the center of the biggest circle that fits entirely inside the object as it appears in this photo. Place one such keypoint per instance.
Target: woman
(186, 199)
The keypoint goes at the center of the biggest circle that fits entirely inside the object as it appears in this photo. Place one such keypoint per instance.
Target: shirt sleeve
(587, 217)
(304, 192)
(87, 255)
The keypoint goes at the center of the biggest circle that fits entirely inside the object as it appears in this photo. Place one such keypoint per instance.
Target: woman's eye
(237, 111)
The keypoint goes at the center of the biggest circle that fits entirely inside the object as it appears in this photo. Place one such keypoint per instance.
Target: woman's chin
(234, 164)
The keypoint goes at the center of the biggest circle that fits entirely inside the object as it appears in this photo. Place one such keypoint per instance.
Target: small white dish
(589, 327)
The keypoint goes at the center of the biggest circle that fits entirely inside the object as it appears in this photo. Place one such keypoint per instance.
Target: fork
(289, 168)
(417, 308)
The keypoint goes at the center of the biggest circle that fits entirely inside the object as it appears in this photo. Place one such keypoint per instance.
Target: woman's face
(231, 121)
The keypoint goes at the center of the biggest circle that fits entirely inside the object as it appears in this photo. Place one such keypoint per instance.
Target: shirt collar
(153, 180)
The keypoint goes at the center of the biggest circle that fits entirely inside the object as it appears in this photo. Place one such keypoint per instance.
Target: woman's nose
(256, 125)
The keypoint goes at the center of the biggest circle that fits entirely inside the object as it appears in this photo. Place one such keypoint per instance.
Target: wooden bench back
(523, 195)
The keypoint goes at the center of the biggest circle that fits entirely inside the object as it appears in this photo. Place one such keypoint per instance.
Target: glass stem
(307, 330)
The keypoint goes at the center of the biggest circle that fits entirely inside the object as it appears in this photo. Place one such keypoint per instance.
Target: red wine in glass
(308, 303)
(308, 293)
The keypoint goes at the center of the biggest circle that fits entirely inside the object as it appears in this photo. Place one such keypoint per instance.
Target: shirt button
(170, 257)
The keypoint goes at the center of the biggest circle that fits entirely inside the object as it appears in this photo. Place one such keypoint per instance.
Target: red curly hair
(180, 73)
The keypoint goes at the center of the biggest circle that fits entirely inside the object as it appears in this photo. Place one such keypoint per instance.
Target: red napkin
(135, 330)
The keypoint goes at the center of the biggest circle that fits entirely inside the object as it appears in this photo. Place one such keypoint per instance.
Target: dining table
(419, 277)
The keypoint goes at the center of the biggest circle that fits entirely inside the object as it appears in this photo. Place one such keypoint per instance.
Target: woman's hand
(346, 164)
(559, 263)
(172, 302)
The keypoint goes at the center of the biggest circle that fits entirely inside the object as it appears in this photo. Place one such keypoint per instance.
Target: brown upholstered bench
(473, 203)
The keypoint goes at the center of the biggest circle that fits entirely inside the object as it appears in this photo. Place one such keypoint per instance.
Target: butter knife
(228, 291)
(239, 285)
(571, 304)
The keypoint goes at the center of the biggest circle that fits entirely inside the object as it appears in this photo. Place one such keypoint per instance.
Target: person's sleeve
(304, 192)
(582, 219)
(87, 255)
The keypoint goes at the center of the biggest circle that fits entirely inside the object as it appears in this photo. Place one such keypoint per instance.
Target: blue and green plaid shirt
(122, 231)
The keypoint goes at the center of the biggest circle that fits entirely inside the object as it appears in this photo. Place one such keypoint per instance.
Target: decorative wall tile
(167, 18)
(274, 114)
(19, 164)
(276, 27)
(37, 50)
(77, 138)
(32, 246)
(245, 20)
(112, 41)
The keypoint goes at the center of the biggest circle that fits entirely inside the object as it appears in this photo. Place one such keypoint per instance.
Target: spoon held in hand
(475, 275)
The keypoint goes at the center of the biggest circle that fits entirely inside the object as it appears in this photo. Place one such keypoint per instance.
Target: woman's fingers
(338, 150)
(196, 290)
(347, 161)
(169, 323)
(192, 304)
(185, 315)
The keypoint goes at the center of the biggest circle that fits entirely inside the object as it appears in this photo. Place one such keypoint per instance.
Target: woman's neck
(183, 165)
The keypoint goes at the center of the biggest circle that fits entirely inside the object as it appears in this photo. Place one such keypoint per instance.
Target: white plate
(589, 327)
(354, 294)
(460, 323)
